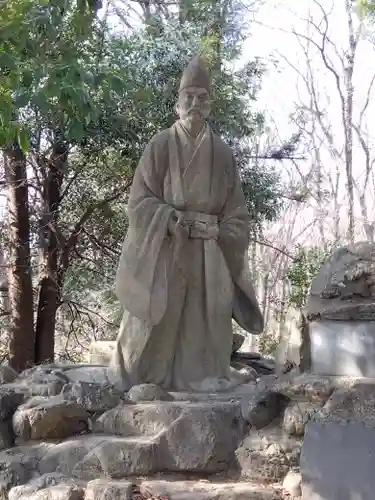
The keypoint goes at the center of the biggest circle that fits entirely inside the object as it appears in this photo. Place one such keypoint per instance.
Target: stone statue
(183, 271)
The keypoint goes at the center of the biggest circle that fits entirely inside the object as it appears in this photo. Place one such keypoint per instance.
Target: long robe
(179, 295)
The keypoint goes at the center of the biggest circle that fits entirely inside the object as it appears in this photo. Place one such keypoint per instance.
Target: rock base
(89, 441)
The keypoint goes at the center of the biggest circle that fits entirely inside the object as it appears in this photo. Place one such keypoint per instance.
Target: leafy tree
(53, 89)
(79, 105)
(306, 265)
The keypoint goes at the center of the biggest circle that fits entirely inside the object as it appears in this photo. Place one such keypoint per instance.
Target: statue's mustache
(194, 110)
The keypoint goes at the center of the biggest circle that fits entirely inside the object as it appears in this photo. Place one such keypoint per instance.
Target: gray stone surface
(101, 489)
(267, 454)
(23, 492)
(6, 434)
(191, 436)
(337, 461)
(42, 375)
(118, 457)
(356, 403)
(296, 417)
(148, 392)
(238, 341)
(344, 288)
(204, 490)
(259, 410)
(49, 418)
(81, 458)
(92, 396)
(343, 348)
(29, 389)
(314, 388)
(9, 401)
(211, 435)
(7, 374)
(15, 469)
(58, 492)
(90, 374)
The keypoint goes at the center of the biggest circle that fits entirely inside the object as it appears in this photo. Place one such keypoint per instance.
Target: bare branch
(268, 244)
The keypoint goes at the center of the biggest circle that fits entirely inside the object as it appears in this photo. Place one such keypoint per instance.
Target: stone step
(83, 457)
(57, 487)
(188, 436)
(207, 490)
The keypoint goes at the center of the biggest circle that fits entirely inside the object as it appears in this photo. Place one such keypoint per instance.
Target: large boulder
(82, 458)
(49, 418)
(190, 436)
(119, 457)
(344, 288)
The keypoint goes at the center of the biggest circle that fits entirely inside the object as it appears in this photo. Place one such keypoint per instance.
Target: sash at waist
(201, 225)
(200, 217)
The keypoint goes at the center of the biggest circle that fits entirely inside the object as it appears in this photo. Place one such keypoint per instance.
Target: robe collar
(194, 140)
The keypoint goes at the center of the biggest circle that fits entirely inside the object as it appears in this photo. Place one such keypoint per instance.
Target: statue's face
(193, 105)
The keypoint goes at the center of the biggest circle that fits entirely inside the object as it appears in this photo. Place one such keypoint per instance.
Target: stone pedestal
(343, 348)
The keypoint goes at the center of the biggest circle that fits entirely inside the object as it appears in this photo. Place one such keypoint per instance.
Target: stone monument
(183, 271)
(341, 313)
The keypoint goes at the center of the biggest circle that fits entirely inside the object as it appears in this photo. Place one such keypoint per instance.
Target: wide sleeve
(141, 274)
(234, 223)
(234, 243)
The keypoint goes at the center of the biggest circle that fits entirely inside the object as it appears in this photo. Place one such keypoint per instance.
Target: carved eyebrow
(199, 94)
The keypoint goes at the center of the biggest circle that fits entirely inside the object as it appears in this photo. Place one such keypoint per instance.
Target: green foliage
(262, 189)
(365, 7)
(267, 344)
(307, 263)
(50, 75)
(65, 77)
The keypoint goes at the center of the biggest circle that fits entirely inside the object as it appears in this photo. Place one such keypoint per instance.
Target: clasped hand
(178, 227)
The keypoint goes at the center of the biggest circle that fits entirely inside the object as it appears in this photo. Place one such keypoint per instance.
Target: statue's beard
(194, 112)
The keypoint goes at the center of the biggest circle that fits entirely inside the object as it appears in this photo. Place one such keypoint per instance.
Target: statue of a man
(183, 271)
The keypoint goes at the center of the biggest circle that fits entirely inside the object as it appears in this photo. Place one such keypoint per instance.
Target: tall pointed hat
(196, 74)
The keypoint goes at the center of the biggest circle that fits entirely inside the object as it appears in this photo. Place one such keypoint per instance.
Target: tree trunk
(348, 119)
(22, 339)
(49, 281)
